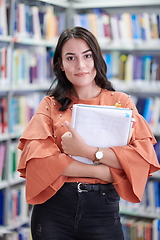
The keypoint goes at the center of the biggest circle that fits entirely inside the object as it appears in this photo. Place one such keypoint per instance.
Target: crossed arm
(73, 144)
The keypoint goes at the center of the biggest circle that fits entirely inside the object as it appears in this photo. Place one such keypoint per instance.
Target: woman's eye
(70, 58)
(88, 56)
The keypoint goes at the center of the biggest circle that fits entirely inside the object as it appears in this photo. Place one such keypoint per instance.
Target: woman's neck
(85, 93)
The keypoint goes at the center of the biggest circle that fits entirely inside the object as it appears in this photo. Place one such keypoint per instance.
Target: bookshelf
(129, 35)
(124, 50)
(25, 76)
(18, 89)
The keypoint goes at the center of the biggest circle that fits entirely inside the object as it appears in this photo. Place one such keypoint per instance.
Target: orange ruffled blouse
(42, 160)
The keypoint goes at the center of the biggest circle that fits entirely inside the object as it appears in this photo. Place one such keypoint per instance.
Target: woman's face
(78, 63)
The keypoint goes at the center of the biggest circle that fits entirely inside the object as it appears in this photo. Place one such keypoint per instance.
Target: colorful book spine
(135, 228)
(2, 196)
(134, 68)
(37, 22)
(3, 115)
(32, 67)
(21, 109)
(18, 209)
(4, 21)
(124, 28)
(2, 160)
(3, 66)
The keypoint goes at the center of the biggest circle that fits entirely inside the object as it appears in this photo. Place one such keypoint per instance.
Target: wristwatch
(99, 155)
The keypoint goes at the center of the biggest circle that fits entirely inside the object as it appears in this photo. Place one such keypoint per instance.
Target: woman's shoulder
(46, 104)
(115, 93)
(115, 97)
(119, 94)
(48, 100)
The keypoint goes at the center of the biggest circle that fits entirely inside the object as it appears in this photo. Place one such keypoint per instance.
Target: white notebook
(101, 126)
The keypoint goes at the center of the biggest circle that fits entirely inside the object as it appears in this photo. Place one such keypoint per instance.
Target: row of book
(124, 27)
(42, 22)
(149, 108)
(32, 21)
(17, 208)
(13, 159)
(22, 233)
(132, 67)
(22, 108)
(13, 155)
(152, 206)
(38, 22)
(140, 229)
(15, 114)
(32, 66)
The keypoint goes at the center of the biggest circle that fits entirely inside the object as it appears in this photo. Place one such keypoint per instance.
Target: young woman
(73, 200)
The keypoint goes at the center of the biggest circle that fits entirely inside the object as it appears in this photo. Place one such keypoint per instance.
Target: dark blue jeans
(73, 215)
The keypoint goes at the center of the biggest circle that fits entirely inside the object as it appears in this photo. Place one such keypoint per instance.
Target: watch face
(99, 155)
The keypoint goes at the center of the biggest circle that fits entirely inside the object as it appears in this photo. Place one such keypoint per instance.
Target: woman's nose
(80, 64)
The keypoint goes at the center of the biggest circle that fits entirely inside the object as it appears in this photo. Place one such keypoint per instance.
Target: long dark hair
(61, 84)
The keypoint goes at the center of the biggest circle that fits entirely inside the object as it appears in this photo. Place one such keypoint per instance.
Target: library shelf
(137, 88)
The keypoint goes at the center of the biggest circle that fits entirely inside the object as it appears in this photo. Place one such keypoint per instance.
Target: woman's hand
(72, 143)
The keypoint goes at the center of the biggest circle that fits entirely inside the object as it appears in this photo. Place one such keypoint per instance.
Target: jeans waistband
(85, 187)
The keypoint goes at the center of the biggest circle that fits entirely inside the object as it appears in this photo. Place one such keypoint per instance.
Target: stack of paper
(101, 126)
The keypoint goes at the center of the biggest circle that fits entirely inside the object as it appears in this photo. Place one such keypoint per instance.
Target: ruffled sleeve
(43, 173)
(138, 160)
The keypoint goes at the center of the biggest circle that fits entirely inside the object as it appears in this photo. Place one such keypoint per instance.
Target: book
(136, 30)
(2, 157)
(101, 126)
(92, 18)
(3, 63)
(156, 229)
(109, 62)
(3, 21)
(147, 26)
(142, 27)
(122, 63)
(3, 115)
(156, 114)
(114, 28)
(128, 72)
(154, 26)
(36, 23)
(106, 26)
(2, 207)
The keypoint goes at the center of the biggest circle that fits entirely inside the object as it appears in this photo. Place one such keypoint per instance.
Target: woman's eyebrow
(88, 50)
(69, 53)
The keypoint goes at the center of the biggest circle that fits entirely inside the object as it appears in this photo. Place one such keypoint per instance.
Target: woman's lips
(82, 74)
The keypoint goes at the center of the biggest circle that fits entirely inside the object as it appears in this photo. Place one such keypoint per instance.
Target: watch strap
(97, 160)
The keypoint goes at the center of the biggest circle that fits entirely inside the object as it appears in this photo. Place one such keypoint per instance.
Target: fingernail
(67, 123)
